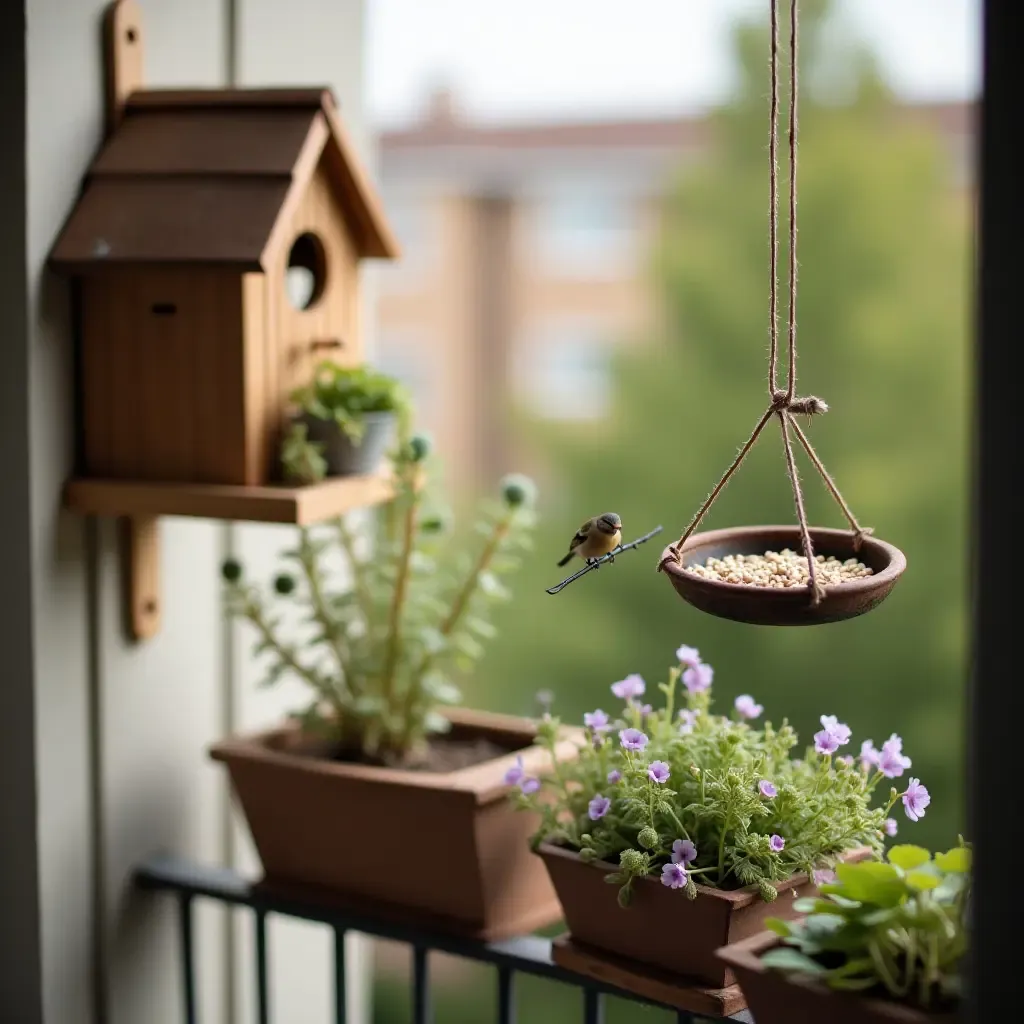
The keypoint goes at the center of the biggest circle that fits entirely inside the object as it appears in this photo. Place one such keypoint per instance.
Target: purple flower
(673, 876)
(915, 800)
(767, 788)
(826, 742)
(891, 762)
(833, 735)
(657, 771)
(687, 720)
(596, 720)
(777, 843)
(614, 776)
(698, 677)
(598, 807)
(890, 826)
(831, 724)
(846, 759)
(825, 876)
(529, 785)
(868, 754)
(515, 774)
(746, 707)
(683, 851)
(631, 686)
(688, 656)
(632, 739)
(644, 709)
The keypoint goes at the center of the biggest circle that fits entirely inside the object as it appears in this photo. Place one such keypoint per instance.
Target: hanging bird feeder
(783, 575)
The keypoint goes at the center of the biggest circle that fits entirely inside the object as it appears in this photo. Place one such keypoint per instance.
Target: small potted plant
(703, 823)
(381, 787)
(883, 943)
(347, 419)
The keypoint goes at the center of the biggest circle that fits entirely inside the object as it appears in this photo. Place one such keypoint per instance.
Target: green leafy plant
(691, 796)
(383, 645)
(302, 459)
(345, 395)
(896, 928)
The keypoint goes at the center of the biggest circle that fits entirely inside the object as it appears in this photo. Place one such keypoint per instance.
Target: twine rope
(783, 403)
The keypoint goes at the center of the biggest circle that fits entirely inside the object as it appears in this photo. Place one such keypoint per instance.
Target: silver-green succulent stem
(461, 601)
(331, 627)
(394, 642)
(254, 613)
(347, 542)
(472, 581)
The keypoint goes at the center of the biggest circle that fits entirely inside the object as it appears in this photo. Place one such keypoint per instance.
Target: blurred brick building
(526, 249)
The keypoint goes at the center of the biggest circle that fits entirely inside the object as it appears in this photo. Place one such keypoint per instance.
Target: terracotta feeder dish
(796, 602)
(783, 606)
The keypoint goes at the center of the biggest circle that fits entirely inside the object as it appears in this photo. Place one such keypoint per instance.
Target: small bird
(596, 537)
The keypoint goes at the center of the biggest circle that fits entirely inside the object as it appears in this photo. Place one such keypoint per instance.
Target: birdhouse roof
(207, 177)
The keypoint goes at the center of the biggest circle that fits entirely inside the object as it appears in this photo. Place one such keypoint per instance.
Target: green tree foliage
(883, 332)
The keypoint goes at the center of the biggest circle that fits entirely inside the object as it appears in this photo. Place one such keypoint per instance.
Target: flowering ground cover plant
(689, 796)
(898, 929)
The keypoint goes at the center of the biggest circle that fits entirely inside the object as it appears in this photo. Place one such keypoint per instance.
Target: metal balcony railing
(187, 882)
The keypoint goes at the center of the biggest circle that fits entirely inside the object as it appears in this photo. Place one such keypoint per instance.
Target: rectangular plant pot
(449, 847)
(662, 927)
(774, 998)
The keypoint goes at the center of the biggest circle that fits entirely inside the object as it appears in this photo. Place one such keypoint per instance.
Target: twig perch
(598, 562)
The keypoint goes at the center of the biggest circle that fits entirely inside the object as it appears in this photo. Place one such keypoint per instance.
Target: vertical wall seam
(101, 995)
(229, 703)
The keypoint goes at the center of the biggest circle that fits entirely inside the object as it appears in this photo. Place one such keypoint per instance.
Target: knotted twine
(783, 403)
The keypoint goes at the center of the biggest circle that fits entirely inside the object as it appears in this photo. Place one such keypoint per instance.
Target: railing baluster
(340, 1002)
(262, 999)
(421, 1008)
(530, 955)
(593, 1006)
(506, 996)
(187, 958)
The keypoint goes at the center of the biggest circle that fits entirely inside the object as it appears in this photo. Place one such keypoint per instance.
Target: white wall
(103, 742)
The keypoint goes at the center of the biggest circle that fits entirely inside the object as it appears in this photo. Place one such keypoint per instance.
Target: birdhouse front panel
(165, 390)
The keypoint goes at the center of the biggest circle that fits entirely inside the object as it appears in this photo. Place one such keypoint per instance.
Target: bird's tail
(566, 560)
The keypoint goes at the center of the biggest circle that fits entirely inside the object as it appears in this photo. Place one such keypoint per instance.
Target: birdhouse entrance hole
(306, 275)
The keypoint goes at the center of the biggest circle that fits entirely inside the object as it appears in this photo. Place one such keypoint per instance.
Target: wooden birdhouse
(217, 240)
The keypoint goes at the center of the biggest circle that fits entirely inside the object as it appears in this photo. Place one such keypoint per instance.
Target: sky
(520, 59)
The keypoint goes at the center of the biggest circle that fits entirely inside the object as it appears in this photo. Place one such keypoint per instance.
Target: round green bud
(517, 489)
(648, 837)
(437, 522)
(690, 888)
(694, 771)
(231, 570)
(284, 584)
(419, 447)
(587, 854)
(633, 862)
(768, 891)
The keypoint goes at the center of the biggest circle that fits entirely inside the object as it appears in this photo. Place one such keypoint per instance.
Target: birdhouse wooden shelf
(215, 253)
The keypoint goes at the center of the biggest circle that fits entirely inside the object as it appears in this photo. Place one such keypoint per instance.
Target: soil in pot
(777, 998)
(662, 927)
(344, 831)
(449, 752)
(345, 457)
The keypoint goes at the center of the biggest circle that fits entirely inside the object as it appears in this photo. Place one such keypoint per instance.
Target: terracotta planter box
(447, 848)
(661, 927)
(774, 998)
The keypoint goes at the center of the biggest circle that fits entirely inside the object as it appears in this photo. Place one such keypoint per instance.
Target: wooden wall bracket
(140, 545)
(140, 542)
